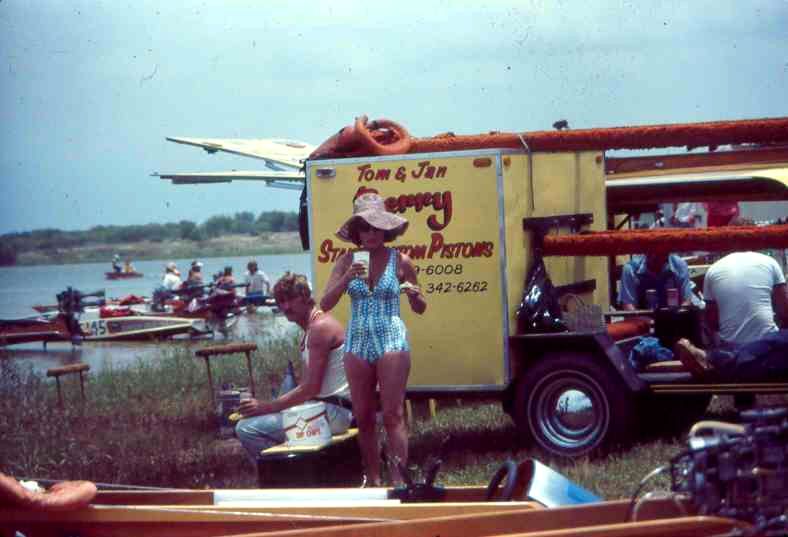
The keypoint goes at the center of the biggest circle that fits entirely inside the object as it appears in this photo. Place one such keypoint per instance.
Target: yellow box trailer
(485, 211)
(467, 241)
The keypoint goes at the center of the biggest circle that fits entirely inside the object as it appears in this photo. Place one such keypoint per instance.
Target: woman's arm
(337, 283)
(408, 274)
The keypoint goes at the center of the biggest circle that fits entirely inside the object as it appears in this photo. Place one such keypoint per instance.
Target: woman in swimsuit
(376, 343)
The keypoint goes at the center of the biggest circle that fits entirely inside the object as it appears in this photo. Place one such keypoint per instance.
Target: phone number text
(457, 287)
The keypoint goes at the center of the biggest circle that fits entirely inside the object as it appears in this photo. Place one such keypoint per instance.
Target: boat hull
(17, 331)
(122, 275)
(181, 514)
(135, 327)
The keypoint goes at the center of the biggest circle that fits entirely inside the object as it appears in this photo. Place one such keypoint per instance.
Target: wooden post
(59, 394)
(249, 367)
(82, 386)
(210, 379)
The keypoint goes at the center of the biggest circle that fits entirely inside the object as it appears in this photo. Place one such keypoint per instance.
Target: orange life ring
(383, 136)
(63, 496)
(365, 138)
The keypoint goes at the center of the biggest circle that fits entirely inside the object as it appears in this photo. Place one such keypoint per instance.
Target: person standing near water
(376, 343)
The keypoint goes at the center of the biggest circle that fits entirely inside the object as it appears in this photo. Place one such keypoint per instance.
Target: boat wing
(629, 193)
(292, 180)
(278, 153)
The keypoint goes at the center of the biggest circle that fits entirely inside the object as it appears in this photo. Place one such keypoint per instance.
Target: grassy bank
(153, 424)
(226, 246)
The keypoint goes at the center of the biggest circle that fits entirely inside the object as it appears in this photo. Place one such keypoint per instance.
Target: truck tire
(572, 404)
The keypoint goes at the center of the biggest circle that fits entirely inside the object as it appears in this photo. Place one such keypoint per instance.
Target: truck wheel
(572, 405)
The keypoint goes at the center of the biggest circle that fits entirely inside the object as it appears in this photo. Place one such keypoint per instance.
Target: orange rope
(714, 133)
(719, 239)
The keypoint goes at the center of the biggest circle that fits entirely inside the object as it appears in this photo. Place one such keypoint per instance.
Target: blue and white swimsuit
(375, 326)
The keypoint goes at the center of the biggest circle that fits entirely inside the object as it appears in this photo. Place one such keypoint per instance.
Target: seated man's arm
(324, 335)
(628, 288)
(711, 316)
(684, 283)
(780, 301)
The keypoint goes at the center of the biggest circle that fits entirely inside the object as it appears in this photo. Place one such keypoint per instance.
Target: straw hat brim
(392, 224)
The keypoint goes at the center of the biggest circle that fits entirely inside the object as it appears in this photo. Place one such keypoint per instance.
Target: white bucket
(306, 425)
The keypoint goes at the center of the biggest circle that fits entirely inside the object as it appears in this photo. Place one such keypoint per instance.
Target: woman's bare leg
(392, 372)
(363, 382)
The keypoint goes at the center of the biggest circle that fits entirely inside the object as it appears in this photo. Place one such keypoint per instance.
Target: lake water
(22, 287)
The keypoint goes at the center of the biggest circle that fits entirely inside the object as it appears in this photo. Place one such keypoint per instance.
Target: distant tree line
(12, 244)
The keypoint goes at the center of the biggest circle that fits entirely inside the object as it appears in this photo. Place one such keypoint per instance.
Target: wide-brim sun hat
(371, 208)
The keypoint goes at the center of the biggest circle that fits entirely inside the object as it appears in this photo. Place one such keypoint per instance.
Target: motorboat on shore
(124, 323)
(77, 319)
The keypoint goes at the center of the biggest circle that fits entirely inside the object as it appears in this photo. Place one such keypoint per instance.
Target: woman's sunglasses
(362, 226)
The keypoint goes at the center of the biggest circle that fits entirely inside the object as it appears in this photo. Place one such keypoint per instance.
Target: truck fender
(527, 349)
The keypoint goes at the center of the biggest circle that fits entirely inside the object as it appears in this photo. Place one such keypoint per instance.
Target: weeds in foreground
(153, 424)
(148, 424)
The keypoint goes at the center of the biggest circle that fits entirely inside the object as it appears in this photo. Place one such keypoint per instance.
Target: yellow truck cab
(478, 222)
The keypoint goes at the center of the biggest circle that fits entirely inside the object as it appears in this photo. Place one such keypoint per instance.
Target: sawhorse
(220, 350)
(68, 370)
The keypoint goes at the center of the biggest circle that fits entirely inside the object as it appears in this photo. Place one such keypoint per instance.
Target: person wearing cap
(323, 372)
(258, 286)
(376, 340)
(116, 263)
(172, 277)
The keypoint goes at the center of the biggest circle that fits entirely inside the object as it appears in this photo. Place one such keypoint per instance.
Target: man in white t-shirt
(686, 214)
(258, 286)
(743, 292)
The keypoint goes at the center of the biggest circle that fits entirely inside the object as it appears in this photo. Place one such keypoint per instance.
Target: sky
(91, 89)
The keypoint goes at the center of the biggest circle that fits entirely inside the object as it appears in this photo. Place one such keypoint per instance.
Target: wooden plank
(205, 521)
(677, 527)
(66, 369)
(496, 523)
(230, 348)
(458, 495)
(148, 497)
(284, 449)
(722, 388)
(160, 521)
